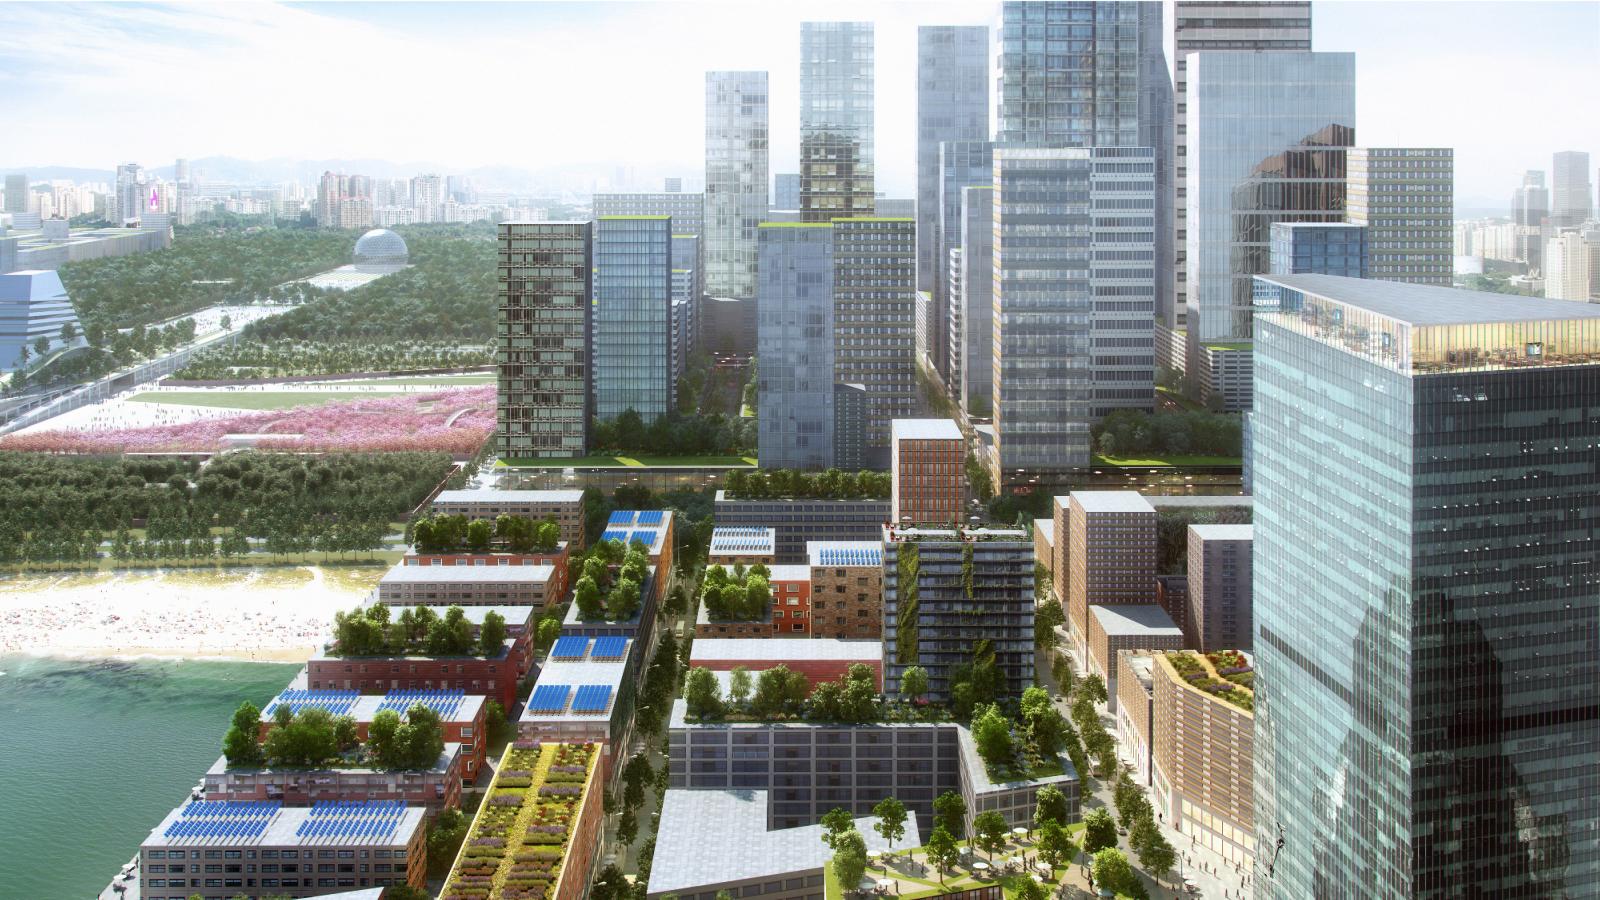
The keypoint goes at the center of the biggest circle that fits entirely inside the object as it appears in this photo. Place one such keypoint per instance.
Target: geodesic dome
(381, 247)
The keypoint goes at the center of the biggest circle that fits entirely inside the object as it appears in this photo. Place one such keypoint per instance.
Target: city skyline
(126, 51)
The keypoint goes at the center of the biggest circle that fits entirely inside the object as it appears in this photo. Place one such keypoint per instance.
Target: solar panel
(549, 698)
(569, 647)
(336, 702)
(647, 537)
(620, 517)
(592, 698)
(650, 517)
(615, 534)
(608, 648)
(445, 703)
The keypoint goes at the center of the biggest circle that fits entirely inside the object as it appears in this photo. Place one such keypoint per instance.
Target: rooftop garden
(314, 738)
(419, 631)
(1130, 435)
(780, 694)
(740, 595)
(1225, 674)
(1025, 749)
(832, 484)
(455, 534)
(609, 580)
(517, 845)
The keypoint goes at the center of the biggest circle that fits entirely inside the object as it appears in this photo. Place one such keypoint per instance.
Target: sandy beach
(255, 614)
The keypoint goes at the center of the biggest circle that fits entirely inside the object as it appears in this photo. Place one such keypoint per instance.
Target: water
(94, 752)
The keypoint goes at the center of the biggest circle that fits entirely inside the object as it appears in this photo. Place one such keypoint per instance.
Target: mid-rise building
(1126, 626)
(631, 321)
(836, 120)
(565, 506)
(797, 521)
(1074, 332)
(1427, 678)
(584, 695)
(1202, 735)
(406, 585)
(1571, 194)
(1323, 248)
(927, 470)
(818, 659)
(1267, 139)
(33, 306)
(1135, 702)
(1405, 196)
(496, 677)
(17, 192)
(435, 788)
(1566, 267)
(955, 597)
(971, 293)
(846, 589)
(952, 105)
(1218, 597)
(874, 302)
(688, 301)
(462, 716)
(1109, 553)
(542, 343)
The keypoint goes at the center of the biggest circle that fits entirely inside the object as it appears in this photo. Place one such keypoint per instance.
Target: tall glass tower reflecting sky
(836, 122)
(736, 180)
(795, 345)
(1427, 604)
(632, 316)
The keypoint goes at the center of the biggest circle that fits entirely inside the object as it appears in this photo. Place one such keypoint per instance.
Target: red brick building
(461, 716)
(556, 587)
(928, 467)
(494, 677)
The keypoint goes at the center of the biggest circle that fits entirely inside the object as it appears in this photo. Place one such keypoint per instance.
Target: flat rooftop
(783, 650)
(1138, 619)
(1142, 665)
(649, 526)
(1423, 304)
(925, 430)
(844, 553)
(1112, 501)
(1045, 528)
(404, 574)
(579, 681)
(217, 823)
(1224, 532)
(442, 764)
(497, 495)
(452, 706)
(710, 837)
(743, 540)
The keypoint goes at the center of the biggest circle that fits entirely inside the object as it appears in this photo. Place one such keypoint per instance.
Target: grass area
(1168, 461)
(441, 380)
(615, 462)
(256, 400)
(1045, 769)
(1178, 398)
(956, 880)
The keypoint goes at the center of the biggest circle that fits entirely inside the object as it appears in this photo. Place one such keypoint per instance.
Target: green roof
(685, 235)
(1227, 345)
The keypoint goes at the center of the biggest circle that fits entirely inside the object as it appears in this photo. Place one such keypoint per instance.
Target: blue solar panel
(608, 648)
(650, 517)
(335, 702)
(592, 698)
(445, 703)
(615, 534)
(569, 647)
(620, 517)
(839, 556)
(549, 698)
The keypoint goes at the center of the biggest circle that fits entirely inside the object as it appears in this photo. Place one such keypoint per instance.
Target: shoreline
(157, 654)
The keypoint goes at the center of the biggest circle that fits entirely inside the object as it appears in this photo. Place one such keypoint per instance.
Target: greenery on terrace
(517, 845)
(675, 434)
(458, 534)
(780, 694)
(791, 483)
(1133, 435)
(372, 632)
(315, 738)
(609, 580)
(741, 595)
(290, 357)
(1225, 674)
(1025, 749)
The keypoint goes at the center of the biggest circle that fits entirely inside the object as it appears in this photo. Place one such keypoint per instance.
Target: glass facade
(1427, 719)
(836, 123)
(972, 303)
(542, 340)
(874, 313)
(736, 180)
(794, 309)
(1330, 249)
(1406, 198)
(962, 164)
(632, 348)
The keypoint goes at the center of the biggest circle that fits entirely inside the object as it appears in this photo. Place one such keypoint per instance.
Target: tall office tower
(786, 190)
(1406, 198)
(836, 120)
(17, 193)
(1566, 267)
(736, 180)
(180, 171)
(794, 340)
(1427, 682)
(972, 303)
(543, 345)
(1571, 195)
(1268, 134)
(672, 185)
(874, 306)
(427, 198)
(1199, 26)
(129, 193)
(1322, 248)
(1074, 298)
(630, 349)
(952, 105)
(688, 293)
(1530, 202)
(686, 210)
(961, 164)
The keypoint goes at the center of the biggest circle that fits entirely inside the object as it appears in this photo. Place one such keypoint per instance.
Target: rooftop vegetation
(314, 738)
(832, 484)
(1225, 674)
(416, 632)
(780, 694)
(456, 534)
(610, 580)
(738, 595)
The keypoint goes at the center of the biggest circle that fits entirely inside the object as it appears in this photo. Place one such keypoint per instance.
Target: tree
(1050, 806)
(950, 812)
(942, 850)
(835, 822)
(226, 322)
(701, 693)
(1113, 872)
(239, 744)
(549, 630)
(779, 690)
(850, 859)
(1028, 889)
(739, 685)
(610, 884)
(913, 683)
(636, 775)
(1042, 721)
(494, 717)
(1155, 853)
(1061, 671)
(344, 733)
(992, 733)
(1099, 831)
(627, 827)
(990, 831)
(1046, 617)
(587, 597)
(1055, 846)
(1129, 800)
(891, 822)
(1093, 687)
(492, 634)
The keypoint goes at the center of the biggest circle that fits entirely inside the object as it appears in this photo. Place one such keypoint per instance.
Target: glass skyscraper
(542, 340)
(794, 343)
(874, 320)
(1320, 248)
(836, 120)
(736, 180)
(962, 164)
(1426, 601)
(972, 302)
(632, 349)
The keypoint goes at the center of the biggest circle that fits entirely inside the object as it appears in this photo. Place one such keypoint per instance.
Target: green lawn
(615, 462)
(255, 399)
(441, 380)
(1169, 461)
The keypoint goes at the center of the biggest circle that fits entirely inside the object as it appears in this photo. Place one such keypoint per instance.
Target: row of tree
(780, 692)
(457, 533)
(287, 357)
(674, 434)
(831, 484)
(1134, 433)
(372, 632)
(315, 737)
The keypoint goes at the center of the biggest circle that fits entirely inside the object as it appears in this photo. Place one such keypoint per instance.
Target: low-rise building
(555, 559)
(495, 677)
(462, 717)
(650, 527)
(1134, 704)
(846, 588)
(818, 659)
(566, 507)
(720, 840)
(1015, 799)
(1126, 626)
(218, 850)
(789, 616)
(927, 466)
(584, 695)
(406, 585)
(795, 521)
(742, 545)
(435, 788)
(1202, 750)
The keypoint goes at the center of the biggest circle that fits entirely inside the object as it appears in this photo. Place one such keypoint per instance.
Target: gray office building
(794, 341)
(972, 303)
(786, 190)
(631, 347)
(1074, 297)
(1426, 676)
(17, 193)
(542, 347)
(1530, 202)
(1321, 248)
(874, 319)
(1571, 194)
(836, 120)
(962, 164)
(1405, 196)
(736, 180)
(952, 105)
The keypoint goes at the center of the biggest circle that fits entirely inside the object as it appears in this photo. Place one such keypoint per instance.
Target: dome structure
(381, 247)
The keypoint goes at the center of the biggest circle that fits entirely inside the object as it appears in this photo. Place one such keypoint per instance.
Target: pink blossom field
(456, 421)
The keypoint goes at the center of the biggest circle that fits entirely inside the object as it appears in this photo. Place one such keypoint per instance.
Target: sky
(588, 87)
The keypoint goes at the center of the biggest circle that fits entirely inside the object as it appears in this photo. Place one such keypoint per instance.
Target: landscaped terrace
(1227, 674)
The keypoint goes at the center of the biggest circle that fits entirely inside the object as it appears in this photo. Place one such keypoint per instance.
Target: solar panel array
(851, 556)
(592, 698)
(650, 517)
(569, 647)
(608, 648)
(365, 819)
(740, 546)
(620, 517)
(549, 698)
(648, 538)
(741, 531)
(223, 819)
(338, 703)
(445, 703)
(615, 534)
